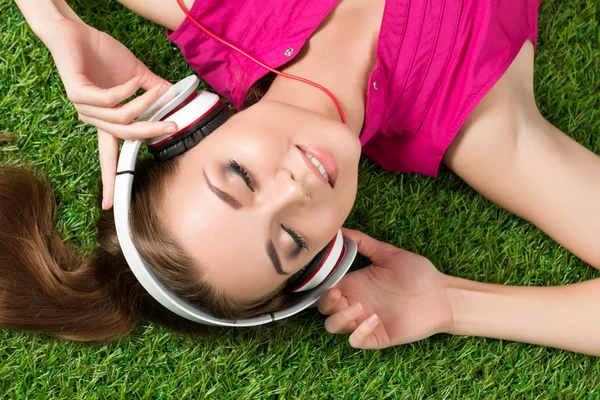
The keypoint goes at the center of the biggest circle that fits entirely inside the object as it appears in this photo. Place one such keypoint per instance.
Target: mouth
(321, 163)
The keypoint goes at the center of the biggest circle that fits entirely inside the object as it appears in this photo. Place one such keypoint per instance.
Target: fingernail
(357, 309)
(142, 80)
(373, 320)
(332, 295)
(170, 129)
(163, 90)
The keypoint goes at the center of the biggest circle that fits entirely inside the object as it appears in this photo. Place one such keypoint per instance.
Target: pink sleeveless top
(436, 59)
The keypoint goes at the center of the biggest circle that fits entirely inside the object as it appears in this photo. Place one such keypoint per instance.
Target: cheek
(344, 198)
(251, 282)
(323, 224)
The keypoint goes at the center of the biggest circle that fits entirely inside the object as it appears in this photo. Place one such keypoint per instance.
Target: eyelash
(238, 169)
(298, 239)
(242, 172)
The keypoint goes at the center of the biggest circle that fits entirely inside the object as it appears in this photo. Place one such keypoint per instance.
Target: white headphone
(197, 114)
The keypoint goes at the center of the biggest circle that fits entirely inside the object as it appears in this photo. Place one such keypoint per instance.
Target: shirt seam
(406, 17)
(287, 32)
(380, 44)
(412, 59)
(437, 89)
(260, 13)
(431, 57)
(235, 20)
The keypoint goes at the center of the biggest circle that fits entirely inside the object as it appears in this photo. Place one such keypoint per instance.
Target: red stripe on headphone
(179, 107)
(339, 261)
(320, 265)
(187, 127)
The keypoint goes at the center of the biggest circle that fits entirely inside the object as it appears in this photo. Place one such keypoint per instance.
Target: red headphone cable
(297, 78)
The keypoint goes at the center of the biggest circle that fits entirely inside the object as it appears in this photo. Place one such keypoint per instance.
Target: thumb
(371, 248)
(108, 147)
(80, 89)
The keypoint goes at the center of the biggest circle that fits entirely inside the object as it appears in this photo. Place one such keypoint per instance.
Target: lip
(326, 160)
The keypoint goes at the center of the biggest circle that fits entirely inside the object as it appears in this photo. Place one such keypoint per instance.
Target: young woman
(227, 223)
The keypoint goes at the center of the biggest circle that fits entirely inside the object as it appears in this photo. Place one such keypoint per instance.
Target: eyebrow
(272, 253)
(236, 205)
(225, 197)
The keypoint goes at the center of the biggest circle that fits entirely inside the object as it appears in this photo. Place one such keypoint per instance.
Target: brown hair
(258, 90)
(46, 287)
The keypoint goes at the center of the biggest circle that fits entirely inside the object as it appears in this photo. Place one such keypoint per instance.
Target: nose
(285, 191)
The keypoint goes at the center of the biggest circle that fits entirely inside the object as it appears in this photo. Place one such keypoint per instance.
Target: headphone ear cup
(216, 122)
(191, 137)
(295, 279)
(302, 275)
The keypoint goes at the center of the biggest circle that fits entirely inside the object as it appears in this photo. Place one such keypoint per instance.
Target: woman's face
(249, 206)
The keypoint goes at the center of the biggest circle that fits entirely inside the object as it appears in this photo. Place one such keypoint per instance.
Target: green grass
(462, 233)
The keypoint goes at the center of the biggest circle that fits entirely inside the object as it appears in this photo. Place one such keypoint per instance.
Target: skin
(97, 93)
(263, 139)
(506, 150)
(512, 155)
(229, 244)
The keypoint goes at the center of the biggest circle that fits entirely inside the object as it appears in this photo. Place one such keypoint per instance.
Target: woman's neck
(339, 56)
(301, 95)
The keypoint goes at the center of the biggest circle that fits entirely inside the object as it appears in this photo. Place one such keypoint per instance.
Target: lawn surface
(443, 219)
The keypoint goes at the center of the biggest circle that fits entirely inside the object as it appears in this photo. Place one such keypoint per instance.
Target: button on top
(289, 52)
(375, 85)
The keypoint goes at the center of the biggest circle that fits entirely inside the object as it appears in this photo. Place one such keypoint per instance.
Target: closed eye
(298, 239)
(242, 172)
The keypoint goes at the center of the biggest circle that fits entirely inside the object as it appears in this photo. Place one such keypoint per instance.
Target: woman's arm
(165, 13)
(44, 16)
(98, 94)
(412, 300)
(66, 11)
(510, 154)
(565, 317)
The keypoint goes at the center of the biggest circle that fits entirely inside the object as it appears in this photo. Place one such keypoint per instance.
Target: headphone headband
(122, 201)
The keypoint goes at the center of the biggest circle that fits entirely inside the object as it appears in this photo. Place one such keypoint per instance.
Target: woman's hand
(99, 73)
(400, 298)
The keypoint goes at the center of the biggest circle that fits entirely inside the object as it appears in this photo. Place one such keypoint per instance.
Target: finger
(344, 321)
(332, 301)
(364, 336)
(83, 91)
(134, 130)
(108, 148)
(123, 114)
(367, 246)
(151, 80)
